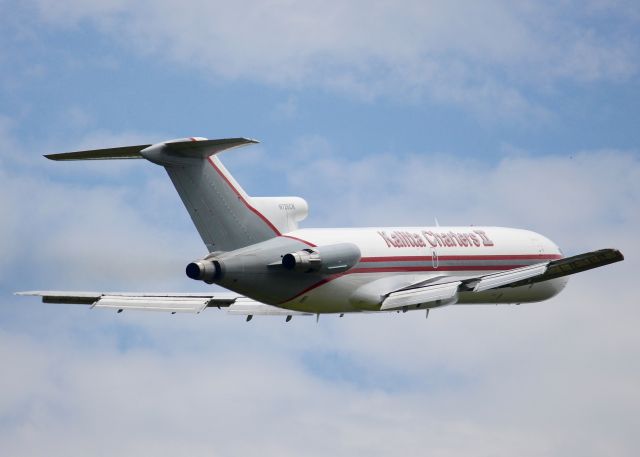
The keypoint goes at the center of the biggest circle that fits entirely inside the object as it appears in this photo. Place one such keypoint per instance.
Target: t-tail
(226, 217)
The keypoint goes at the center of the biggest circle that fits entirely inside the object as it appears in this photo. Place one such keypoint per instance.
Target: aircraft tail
(226, 217)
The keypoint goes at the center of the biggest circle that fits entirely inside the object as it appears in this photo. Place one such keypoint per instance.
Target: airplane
(270, 266)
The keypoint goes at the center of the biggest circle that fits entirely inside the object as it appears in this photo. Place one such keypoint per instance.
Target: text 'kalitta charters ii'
(406, 239)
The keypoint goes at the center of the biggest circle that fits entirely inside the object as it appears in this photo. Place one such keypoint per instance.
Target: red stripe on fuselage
(246, 203)
(442, 268)
(299, 239)
(417, 258)
(315, 285)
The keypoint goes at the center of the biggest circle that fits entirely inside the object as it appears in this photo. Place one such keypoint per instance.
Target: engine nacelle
(334, 258)
(204, 270)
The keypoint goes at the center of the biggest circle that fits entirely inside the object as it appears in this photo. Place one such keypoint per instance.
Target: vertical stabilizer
(225, 216)
(220, 209)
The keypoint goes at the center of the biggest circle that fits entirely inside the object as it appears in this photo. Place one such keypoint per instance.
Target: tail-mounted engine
(335, 258)
(229, 269)
(207, 270)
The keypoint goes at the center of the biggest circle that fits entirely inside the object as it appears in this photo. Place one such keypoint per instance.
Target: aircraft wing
(575, 264)
(445, 291)
(430, 292)
(168, 302)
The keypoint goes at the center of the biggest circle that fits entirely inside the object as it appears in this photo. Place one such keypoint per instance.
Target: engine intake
(334, 258)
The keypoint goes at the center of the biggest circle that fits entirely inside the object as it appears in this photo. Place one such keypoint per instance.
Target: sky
(378, 113)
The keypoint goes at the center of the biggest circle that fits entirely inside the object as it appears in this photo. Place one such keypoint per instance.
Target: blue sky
(377, 113)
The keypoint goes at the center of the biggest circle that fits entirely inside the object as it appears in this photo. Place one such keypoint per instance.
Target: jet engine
(334, 258)
(204, 270)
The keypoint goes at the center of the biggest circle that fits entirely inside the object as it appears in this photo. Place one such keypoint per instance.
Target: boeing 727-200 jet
(272, 267)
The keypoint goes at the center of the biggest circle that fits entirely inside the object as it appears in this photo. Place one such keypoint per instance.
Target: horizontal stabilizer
(124, 152)
(186, 147)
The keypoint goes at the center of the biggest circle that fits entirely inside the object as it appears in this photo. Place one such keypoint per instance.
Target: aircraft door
(434, 258)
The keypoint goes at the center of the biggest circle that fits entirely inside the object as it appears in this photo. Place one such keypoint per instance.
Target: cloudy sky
(521, 114)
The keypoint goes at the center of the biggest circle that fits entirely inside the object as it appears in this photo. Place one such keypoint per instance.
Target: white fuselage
(401, 256)
(256, 251)
(390, 258)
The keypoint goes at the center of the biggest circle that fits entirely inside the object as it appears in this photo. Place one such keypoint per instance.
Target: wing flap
(495, 280)
(67, 298)
(444, 293)
(247, 307)
(170, 302)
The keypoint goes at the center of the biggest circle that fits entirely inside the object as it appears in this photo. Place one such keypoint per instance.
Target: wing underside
(168, 302)
(445, 291)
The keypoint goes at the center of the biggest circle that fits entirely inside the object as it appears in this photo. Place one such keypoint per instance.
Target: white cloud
(548, 379)
(592, 190)
(491, 57)
(554, 378)
(286, 109)
(79, 225)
